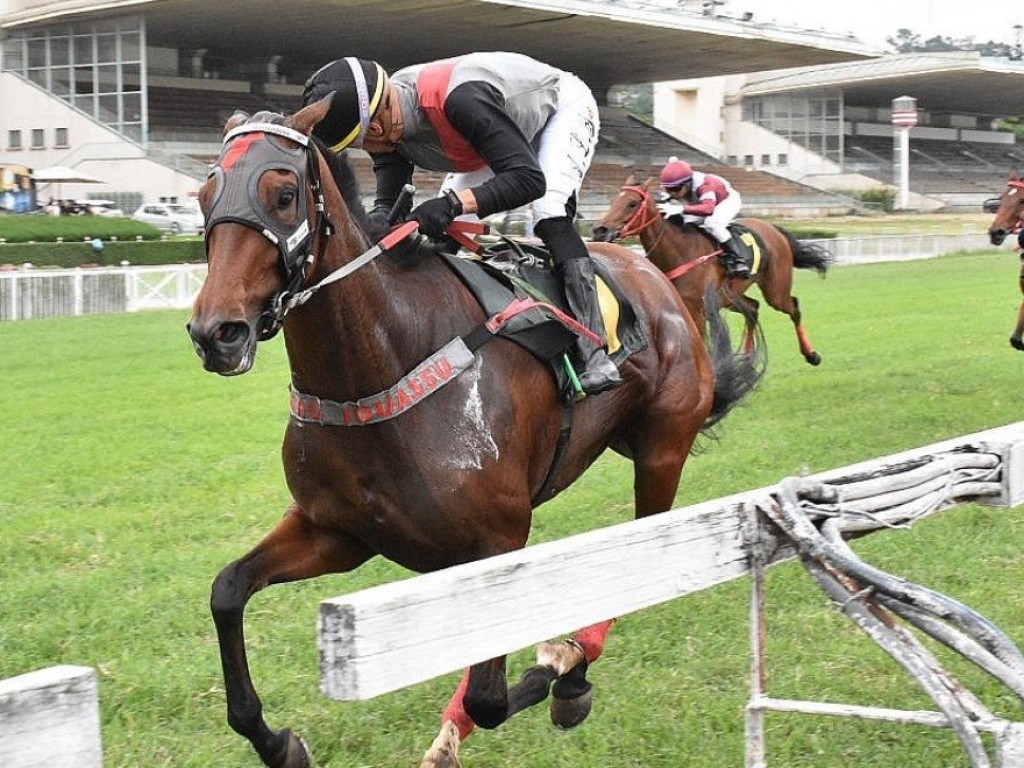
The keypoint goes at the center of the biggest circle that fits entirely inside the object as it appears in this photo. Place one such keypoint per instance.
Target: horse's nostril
(231, 333)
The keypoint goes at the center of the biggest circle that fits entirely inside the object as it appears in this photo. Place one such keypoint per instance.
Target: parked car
(991, 205)
(172, 218)
(100, 207)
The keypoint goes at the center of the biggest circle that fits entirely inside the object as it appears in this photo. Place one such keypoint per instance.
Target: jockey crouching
(508, 130)
(710, 198)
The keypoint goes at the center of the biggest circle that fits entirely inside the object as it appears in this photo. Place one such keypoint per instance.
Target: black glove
(435, 215)
(377, 224)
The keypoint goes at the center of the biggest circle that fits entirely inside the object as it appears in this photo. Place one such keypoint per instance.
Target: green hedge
(74, 254)
(31, 228)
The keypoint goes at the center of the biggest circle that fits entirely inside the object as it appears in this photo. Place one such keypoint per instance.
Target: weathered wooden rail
(388, 637)
(50, 719)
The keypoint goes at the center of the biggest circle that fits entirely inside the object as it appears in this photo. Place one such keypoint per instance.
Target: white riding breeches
(565, 150)
(718, 222)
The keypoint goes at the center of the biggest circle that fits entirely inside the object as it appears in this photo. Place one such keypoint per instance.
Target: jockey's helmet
(675, 174)
(356, 89)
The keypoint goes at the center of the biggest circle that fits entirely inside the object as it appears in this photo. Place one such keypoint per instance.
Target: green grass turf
(131, 477)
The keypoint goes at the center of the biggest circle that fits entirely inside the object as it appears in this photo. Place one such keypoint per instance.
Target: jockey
(711, 198)
(508, 130)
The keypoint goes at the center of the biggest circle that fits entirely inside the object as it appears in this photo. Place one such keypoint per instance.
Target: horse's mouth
(996, 236)
(603, 234)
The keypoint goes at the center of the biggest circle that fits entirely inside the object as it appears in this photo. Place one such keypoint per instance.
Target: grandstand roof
(961, 82)
(607, 42)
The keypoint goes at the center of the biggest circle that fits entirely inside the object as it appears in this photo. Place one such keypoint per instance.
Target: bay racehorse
(687, 255)
(426, 465)
(1008, 220)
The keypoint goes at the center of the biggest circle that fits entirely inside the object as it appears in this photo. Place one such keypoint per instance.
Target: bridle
(236, 175)
(646, 215)
(1017, 184)
(643, 217)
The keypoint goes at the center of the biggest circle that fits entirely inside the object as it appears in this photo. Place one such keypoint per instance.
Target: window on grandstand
(96, 66)
(812, 120)
(60, 137)
(14, 139)
(38, 138)
(783, 159)
(766, 159)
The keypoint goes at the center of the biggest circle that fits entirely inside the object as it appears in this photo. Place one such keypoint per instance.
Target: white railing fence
(27, 294)
(506, 603)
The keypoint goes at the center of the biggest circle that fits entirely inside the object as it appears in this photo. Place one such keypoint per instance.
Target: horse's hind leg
(810, 355)
(482, 697)
(572, 693)
(294, 550)
(791, 306)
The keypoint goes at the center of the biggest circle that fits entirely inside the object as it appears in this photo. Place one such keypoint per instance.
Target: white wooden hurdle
(389, 637)
(50, 718)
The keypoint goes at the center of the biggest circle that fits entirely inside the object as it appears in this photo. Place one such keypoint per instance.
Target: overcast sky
(875, 20)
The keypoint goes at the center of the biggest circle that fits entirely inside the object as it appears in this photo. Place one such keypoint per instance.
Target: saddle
(749, 246)
(516, 287)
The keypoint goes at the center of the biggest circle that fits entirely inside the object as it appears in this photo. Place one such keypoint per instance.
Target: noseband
(248, 153)
(642, 218)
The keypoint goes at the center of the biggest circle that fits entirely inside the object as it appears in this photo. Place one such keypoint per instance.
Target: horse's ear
(308, 117)
(630, 180)
(235, 120)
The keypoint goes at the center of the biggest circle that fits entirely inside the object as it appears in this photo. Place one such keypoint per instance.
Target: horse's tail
(737, 373)
(808, 255)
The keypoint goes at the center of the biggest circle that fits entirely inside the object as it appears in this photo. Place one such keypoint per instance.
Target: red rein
(644, 217)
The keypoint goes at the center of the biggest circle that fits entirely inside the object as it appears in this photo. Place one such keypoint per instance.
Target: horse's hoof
(813, 358)
(568, 713)
(295, 753)
(1017, 343)
(444, 752)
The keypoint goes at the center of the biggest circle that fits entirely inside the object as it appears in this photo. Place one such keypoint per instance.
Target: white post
(904, 117)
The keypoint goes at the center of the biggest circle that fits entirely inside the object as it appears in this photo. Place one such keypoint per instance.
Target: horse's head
(1010, 214)
(264, 215)
(631, 211)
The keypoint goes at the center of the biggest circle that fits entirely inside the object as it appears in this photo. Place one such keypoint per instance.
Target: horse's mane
(345, 178)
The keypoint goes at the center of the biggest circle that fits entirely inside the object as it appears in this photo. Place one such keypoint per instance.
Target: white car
(172, 218)
(100, 207)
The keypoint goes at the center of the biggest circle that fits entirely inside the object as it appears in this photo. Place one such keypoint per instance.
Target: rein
(643, 218)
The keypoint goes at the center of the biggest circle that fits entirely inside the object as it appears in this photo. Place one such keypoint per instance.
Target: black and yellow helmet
(356, 87)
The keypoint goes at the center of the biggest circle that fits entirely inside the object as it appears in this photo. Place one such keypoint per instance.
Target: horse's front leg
(293, 551)
(1015, 338)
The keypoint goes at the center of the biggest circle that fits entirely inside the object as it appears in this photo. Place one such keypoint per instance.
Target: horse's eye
(286, 197)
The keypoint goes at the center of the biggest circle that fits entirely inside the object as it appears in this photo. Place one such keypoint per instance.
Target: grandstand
(136, 93)
(830, 127)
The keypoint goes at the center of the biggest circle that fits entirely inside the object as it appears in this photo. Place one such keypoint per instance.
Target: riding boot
(576, 271)
(735, 265)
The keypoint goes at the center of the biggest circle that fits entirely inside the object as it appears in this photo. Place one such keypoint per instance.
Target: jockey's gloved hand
(377, 224)
(435, 215)
(669, 208)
